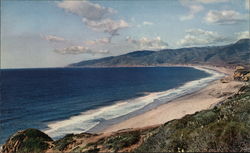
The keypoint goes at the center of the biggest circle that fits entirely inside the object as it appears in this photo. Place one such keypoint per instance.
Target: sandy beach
(201, 100)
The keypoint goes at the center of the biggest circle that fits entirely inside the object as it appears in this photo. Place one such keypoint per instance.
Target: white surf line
(91, 118)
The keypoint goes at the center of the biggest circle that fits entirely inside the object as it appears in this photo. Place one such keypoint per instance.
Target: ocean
(59, 101)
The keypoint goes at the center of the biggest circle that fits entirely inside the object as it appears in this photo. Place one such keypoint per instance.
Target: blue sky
(57, 33)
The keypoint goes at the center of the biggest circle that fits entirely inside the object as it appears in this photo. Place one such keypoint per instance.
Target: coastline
(206, 98)
(96, 120)
(127, 114)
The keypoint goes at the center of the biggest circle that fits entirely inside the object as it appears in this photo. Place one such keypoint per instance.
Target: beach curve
(101, 119)
(200, 100)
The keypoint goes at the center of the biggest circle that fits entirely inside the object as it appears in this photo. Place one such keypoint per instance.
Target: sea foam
(89, 119)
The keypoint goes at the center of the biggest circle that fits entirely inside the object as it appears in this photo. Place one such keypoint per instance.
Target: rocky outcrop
(242, 74)
(29, 140)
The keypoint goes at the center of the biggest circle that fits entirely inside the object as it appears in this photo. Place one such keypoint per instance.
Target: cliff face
(233, 54)
(225, 128)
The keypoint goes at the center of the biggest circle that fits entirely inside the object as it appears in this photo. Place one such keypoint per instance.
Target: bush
(224, 128)
(30, 140)
(123, 140)
(64, 142)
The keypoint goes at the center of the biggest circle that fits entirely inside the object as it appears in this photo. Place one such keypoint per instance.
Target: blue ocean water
(34, 98)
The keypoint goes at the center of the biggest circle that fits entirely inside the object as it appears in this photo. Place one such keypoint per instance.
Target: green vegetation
(114, 142)
(33, 141)
(62, 144)
(30, 140)
(224, 128)
(121, 141)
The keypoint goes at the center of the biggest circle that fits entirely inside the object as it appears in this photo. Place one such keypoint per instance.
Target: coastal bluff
(29, 140)
(225, 128)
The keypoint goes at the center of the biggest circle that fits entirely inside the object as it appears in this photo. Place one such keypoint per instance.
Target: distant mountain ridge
(232, 54)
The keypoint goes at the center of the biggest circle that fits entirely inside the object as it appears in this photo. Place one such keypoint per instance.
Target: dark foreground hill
(232, 54)
(224, 128)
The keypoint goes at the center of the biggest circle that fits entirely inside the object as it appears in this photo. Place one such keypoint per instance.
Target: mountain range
(237, 53)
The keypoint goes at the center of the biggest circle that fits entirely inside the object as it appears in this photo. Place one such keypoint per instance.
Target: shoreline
(165, 96)
(156, 116)
(158, 99)
(205, 98)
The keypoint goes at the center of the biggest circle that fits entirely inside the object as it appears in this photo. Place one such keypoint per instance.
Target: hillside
(224, 128)
(232, 54)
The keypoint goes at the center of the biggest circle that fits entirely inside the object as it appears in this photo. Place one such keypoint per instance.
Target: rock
(247, 77)
(242, 74)
(240, 68)
(225, 80)
(29, 140)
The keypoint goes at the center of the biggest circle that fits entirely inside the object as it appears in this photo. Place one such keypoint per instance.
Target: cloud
(144, 23)
(247, 4)
(202, 1)
(147, 23)
(224, 17)
(95, 16)
(97, 41)
(211, 1)
(80, 50)
(146, 43)
(53, 38)
(86, 9)
(196, 6)
(106, 25)
(193, 9)
(198, 37)
(242, 35)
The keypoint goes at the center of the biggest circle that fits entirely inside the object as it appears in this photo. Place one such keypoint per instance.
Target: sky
(37, 34)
